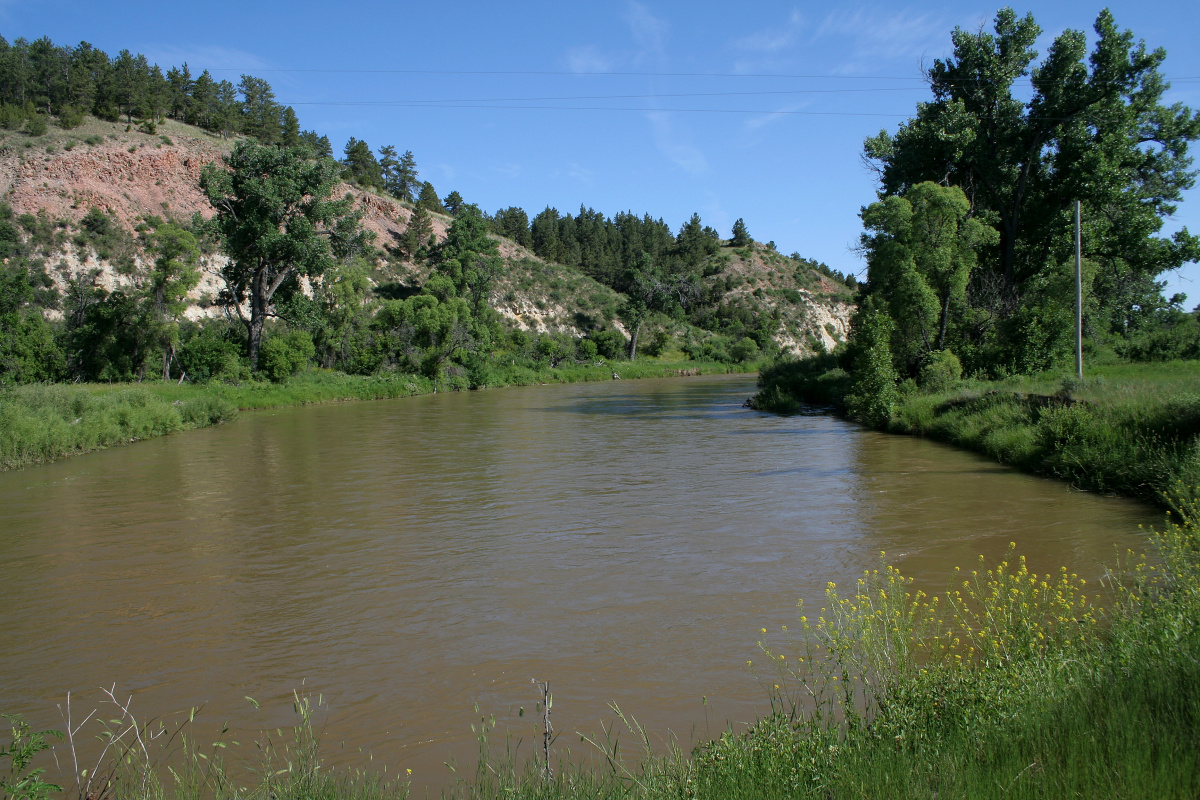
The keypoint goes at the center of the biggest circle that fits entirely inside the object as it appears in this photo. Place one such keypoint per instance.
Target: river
(410, 560)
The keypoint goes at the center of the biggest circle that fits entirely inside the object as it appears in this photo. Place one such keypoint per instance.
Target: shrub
(280, 357)
(36, 125)
(609, 343)
(874, 395)
(940, 372)
(70, 117)
(744, 349)
(212, 354)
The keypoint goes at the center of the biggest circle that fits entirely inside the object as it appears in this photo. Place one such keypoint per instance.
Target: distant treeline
(40, 79)
(605, 247)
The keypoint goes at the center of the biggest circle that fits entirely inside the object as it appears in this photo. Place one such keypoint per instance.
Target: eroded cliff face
(132, 175)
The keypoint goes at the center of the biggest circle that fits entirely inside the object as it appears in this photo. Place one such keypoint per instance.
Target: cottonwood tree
(174, 274)
(278, 224)
(1094, 128)
(469, 257)
(921, 250)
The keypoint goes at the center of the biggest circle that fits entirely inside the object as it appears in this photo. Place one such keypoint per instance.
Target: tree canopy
(1094, 129)
(278, 224)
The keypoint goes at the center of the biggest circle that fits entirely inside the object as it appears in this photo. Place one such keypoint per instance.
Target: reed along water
(411, 560)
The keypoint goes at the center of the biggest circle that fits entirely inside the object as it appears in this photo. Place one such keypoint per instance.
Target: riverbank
(1129, 429)
(41, 423)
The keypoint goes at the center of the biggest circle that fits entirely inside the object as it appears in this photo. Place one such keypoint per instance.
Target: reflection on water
(410, 558)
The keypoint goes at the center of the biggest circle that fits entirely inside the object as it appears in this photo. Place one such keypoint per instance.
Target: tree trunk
(633, 340)
(945, 319)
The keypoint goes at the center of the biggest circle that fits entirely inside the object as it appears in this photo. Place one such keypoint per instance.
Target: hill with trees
(105, 160)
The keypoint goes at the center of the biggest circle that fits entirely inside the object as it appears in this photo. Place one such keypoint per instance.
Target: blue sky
(756, 111)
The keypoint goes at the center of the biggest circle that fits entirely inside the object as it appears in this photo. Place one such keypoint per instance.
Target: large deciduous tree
(1094, 128)
(278, 224)
(921, 251)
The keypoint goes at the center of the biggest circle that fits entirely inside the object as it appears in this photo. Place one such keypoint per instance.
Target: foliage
(43, 79)
(21, 782)
(278, 224)
(919, 259)
(741, 236)
(940, 372)
(1094, 130)
(873, 395)
(282, 356)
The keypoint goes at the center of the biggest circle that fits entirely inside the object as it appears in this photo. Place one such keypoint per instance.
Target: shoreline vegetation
(1128, 429)
(1007, 684)
(45, 422)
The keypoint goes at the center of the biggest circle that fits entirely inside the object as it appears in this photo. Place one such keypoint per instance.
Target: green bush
(70, 117)
(874, 395)
(610, 343)
(212, 353)
(281, 357)
(743, 350)
(36, 125)
(940, 372)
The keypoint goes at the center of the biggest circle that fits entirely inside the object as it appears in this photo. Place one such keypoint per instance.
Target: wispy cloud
(649, 32)
(510, 170)
(588, 58)
(674, 146)
(873, 35)
(774, 39)
(581, 174)
(762, 120)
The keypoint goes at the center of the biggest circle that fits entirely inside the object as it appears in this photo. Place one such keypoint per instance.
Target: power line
(416, 101)
(616, 108)
(571, 74)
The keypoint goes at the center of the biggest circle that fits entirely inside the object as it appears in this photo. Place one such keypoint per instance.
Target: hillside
(135, 178)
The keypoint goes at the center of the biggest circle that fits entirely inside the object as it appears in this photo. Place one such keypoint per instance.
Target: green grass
(1131, 429)
(42, 423)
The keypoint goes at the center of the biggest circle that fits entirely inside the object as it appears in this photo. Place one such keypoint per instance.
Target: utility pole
(1078, 296)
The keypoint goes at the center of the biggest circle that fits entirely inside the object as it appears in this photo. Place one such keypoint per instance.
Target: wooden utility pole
(1078, 296)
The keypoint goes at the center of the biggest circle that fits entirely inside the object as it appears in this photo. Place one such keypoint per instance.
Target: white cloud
(589, 59)
(762, 120)
(649, 32)
(581, 174)
(771, 41)
(875, 34)
(680, 152)
(509, 170)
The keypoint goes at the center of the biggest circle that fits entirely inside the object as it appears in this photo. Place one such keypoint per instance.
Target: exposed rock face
(149, 180)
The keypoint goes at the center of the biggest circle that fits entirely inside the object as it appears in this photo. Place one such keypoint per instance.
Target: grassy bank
(42, 423)
(1131, 429)
(1008, 684)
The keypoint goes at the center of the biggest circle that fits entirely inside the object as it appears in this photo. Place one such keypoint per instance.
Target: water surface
(410, 559)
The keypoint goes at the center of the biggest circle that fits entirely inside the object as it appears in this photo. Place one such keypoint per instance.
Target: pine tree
(741, 237)
(418, 234)
(406, 177)
(360, 164)
(429, 199)
(453, 202)
(388, 164)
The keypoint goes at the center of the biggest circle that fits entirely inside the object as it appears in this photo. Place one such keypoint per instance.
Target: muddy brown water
(408, 561)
